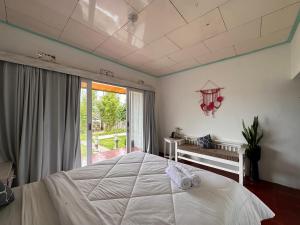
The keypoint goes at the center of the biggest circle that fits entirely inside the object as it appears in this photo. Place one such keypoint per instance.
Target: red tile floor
(99, 156)
(284, 201)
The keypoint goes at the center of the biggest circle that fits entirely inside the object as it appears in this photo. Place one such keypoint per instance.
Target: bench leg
(165, 148)
(241, 169)
(176, 154)
(171, 149)
(241, 177)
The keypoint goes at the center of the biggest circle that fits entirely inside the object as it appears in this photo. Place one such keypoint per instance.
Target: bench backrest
(218, 144)
(229, 146)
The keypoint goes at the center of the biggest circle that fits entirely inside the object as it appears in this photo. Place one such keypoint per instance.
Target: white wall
(21, 42)
(295, 54)
(256, 84)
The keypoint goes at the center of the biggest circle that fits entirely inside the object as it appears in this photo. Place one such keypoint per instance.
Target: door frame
(128, 131)
(89, 134)
(89, 110)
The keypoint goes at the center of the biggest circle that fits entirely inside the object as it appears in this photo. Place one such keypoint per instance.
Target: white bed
(133, 190)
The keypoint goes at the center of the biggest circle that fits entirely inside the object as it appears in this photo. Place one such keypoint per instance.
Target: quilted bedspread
(134, 190)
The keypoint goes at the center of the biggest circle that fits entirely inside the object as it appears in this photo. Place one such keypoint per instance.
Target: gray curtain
(40, 113)
(150, 135)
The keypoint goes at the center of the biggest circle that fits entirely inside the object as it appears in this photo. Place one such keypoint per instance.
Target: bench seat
(219, 153)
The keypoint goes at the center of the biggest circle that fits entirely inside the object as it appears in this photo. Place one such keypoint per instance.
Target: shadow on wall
(277, 167)
(274, 164)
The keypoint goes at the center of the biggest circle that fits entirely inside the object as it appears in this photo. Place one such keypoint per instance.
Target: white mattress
(134, 190)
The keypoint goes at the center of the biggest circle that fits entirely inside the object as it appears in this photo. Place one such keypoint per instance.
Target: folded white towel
(194, 177)
(179, 178)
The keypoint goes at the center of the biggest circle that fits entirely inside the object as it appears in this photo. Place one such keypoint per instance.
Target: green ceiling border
(294, 28)
(290, 38)
(73, 47)
(221, 60)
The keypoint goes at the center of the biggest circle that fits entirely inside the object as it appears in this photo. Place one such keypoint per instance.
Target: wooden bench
(227, 156)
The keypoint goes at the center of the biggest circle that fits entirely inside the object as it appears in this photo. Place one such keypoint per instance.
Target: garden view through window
(103, 122)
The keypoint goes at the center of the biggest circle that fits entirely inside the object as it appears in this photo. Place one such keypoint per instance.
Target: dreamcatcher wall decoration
(211, 98)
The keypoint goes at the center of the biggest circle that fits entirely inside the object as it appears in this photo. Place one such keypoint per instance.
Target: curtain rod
(30, 61)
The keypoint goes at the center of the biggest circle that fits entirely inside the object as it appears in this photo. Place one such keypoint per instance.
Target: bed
(133, 190)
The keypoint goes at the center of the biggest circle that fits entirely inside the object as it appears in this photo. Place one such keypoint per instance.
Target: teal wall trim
(290, 38)
(73, 47)
(294, 28)
(225, 59)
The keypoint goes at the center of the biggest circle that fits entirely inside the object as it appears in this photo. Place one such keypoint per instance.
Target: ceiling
(169, 35)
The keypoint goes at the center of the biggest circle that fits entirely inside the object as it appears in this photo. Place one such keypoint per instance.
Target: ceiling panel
(159, 18)
(280, 19)
(136, 59)
(191, 9)
(102, 15)
(216, 55)
(29, 23)
(2, 10)
(203, 28)
(120, 44)
(239, 34)
(40, 10)
(76, 33)
(180, 56)
(158, 49)
(237, 12)
(189, 52)
(265, 41)
(160, 63)
(169, 35)
(163, 71)
(64, 7)
(115, 49)
(184, 65)
(128, 39)
(139, 5)
(107, 53)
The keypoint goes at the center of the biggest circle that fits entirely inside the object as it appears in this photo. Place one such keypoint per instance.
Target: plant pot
(254, 172)
(254, 156)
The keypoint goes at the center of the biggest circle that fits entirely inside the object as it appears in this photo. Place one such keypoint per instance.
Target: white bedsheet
(134, 190)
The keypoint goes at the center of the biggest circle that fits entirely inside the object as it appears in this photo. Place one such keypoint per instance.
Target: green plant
(253, 136)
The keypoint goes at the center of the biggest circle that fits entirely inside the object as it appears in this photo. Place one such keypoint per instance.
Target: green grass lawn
(115, 131)
(110, 142)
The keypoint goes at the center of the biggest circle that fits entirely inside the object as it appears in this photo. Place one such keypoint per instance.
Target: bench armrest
(180, 142)
(242, 149)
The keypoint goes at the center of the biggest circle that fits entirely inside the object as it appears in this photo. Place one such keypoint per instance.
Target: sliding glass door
(111, 121)
(135, 121)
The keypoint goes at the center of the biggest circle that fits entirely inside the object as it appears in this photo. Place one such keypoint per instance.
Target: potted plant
(253, 136)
